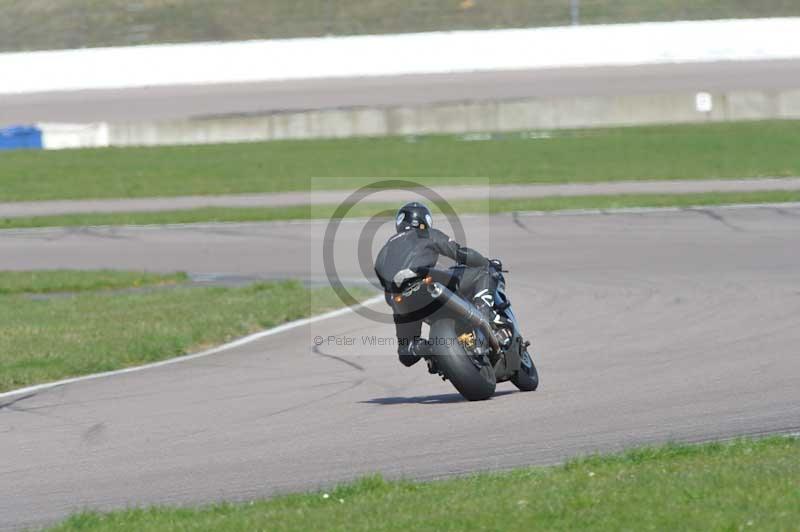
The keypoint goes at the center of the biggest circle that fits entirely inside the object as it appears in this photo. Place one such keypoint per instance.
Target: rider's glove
(496, 264)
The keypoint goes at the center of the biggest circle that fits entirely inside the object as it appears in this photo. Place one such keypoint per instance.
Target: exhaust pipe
(464, 310)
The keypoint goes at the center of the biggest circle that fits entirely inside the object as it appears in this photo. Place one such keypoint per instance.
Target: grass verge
(250, 214)
(48, 281)
(45, 339)
(729, 150)
(740, 485)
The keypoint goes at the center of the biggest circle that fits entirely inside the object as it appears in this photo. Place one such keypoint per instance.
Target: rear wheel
(473, 376)
(527, 378)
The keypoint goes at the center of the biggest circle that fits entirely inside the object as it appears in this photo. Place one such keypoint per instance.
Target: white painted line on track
(213, 351)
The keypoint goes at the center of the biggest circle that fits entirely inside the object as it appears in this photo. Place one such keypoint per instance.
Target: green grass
(741, 485)
(729, 150)
(47, 281)
(45, 24)
(253, 214)
(48, 339)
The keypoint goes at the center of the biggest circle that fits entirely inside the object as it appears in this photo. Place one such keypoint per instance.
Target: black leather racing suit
(420, 248)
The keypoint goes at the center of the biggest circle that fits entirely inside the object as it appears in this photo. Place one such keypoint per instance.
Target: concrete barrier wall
(466, 117)
(418, 53)
(58, 136)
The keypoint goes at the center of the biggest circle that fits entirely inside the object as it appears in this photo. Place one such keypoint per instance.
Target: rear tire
(450, 357)
(527, 378)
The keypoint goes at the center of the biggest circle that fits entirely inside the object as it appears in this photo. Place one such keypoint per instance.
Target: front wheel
(527, 378)
(472, 376)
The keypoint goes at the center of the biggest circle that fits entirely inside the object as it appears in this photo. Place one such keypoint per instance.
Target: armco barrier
(466, 117)
(20, 137)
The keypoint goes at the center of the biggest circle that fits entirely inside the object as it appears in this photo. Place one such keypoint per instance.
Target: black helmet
(413, 214)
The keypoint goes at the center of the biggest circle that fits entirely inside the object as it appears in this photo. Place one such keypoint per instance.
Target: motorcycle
(462, 345)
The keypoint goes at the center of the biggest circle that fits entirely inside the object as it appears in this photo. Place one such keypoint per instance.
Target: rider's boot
(501, 325)
(421, 348)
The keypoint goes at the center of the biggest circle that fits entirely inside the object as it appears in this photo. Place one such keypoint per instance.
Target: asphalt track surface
(461, 192)
(647, 326)
(177, 102)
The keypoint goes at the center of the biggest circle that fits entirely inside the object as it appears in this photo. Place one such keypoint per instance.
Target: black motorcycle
(463, 346)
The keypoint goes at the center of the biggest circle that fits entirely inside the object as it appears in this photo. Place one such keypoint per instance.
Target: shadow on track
(444, 398)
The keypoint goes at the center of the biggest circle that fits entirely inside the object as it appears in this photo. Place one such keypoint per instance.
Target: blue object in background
(20, 137)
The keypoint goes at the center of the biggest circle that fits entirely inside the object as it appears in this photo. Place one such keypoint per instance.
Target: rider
(418, 245)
